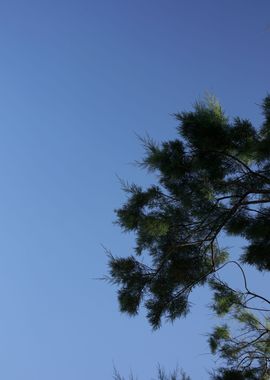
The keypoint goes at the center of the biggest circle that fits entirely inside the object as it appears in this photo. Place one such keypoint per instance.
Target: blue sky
(78, 81)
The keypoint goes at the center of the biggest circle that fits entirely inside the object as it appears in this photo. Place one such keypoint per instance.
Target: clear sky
(78, 80)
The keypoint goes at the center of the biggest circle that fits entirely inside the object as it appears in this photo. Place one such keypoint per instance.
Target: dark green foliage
(214, 178)
(224, 297)
(234, 374)
(220, 333)
(248, 353)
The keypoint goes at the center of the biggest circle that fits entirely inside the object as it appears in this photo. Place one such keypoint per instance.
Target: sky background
(78, 81)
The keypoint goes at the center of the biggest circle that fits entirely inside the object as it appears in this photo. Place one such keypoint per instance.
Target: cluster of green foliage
(213, 178)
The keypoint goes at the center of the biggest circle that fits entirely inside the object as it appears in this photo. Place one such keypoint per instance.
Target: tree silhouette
(213, 179)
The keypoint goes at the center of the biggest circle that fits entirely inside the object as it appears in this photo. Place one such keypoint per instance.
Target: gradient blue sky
(78, 79)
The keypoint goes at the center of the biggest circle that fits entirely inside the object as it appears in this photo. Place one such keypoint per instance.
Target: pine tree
(212, 179)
